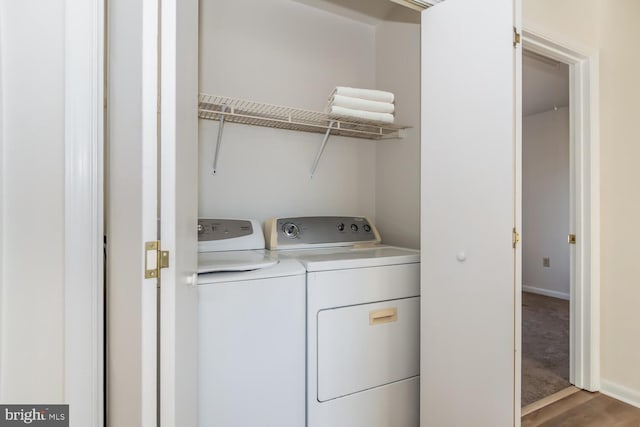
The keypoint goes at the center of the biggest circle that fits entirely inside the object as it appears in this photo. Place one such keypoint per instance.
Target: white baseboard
(546, 292)
(617, 391)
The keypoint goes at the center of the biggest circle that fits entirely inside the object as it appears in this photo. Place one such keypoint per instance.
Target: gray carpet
(545, 346)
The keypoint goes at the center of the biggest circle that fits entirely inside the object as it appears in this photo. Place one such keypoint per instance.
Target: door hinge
(516, 37)
(515, 238)
(154, 259)
(572, 239)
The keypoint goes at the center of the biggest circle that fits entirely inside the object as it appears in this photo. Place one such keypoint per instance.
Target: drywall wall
(574, 21)
(398, 161)
(283, 53)
(620, 175)
(32, 50)
(545, 203)
(611, 28)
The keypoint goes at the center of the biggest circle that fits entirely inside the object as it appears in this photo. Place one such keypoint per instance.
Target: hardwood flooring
(584, 409)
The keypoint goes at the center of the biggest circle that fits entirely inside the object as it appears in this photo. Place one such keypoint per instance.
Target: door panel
(467, 208)
(178, 212)
(131, 214)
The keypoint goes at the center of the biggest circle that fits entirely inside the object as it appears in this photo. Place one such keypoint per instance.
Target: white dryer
(251, 330)
(363, 319)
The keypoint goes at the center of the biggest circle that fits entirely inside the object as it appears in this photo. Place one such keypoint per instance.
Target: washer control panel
(216, 234)
(319, 231)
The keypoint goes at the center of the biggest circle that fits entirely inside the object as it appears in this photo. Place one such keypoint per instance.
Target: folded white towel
(370, 94)
(358, 114)
(361, 104)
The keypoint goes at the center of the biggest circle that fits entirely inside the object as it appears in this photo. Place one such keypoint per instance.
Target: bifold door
(468, 332)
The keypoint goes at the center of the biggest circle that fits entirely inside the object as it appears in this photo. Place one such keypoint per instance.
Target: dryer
(251, 330)
(363, 317)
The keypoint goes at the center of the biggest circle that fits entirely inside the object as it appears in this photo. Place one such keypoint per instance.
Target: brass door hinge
(515, 238)
(154, 259)
(516, 37)
(572, 239)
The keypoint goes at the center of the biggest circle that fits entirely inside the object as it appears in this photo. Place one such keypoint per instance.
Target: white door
(178, 211)
(152, 175)
(468, 274)
(132, 213)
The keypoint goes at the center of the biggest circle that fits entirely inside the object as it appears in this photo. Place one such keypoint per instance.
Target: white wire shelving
(225, 109)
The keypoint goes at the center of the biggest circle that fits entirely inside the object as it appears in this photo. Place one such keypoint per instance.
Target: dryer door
(365, 346)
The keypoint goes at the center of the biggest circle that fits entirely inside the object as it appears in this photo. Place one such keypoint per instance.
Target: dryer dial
(291, 230)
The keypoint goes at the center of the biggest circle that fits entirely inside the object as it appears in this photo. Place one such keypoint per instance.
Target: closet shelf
(232, 110)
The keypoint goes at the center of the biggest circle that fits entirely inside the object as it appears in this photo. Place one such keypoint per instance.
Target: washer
(363, 320)
(251, 330)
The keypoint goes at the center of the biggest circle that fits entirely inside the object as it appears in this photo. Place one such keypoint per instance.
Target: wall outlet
(546, 262)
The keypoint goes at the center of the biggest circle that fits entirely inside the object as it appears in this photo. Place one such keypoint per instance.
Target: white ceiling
(545, 84)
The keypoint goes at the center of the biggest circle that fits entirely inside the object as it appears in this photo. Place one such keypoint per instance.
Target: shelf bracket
(223, 108)
(321, 150)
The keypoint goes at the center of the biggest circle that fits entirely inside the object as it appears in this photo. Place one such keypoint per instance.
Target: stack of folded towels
(364, 104)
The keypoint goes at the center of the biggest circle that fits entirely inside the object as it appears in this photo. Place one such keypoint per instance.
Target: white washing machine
(363, 320)
(251, 330)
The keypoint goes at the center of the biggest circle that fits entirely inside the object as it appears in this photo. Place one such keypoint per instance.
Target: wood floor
(584, 409)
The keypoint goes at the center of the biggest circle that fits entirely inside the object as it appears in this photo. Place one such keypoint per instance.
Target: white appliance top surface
(338, 258)
(212, 262)
(282, 268)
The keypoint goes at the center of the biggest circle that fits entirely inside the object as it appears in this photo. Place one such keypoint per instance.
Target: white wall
(398, 161)
(32, 89)
(545, 202)
(283, 53)
(620, 151)
(265, 172)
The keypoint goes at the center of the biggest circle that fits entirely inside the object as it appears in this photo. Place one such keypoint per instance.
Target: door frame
(84, 201)
(585, 201)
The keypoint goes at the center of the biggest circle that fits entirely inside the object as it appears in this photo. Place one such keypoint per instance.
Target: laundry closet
(446, 185)
(293, 54)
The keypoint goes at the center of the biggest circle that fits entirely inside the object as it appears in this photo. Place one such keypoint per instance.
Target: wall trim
(83, 234)
(585, 282)
(620, 392)
(546, 292)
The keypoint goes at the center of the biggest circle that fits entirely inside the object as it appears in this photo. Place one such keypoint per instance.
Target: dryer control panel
(319, 231)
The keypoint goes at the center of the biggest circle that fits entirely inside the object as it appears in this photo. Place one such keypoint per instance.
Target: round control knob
(291, 230)
(354, 228)
(200, 228)
(340, 226)
(367, 228)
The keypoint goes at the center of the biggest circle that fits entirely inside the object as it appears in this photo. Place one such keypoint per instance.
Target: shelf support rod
(321, 150)
(220, 129)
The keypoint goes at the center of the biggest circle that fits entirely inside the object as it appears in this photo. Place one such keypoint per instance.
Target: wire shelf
(213, 107)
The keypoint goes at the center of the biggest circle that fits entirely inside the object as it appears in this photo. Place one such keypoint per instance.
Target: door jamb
(585, 290)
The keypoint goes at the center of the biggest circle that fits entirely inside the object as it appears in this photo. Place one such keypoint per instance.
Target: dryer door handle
(385, 315)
